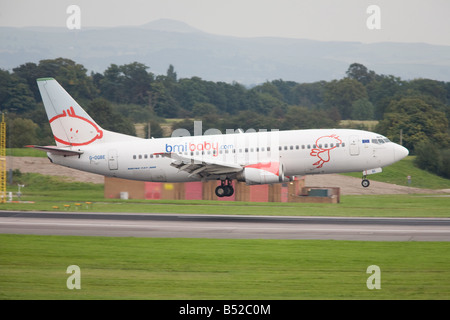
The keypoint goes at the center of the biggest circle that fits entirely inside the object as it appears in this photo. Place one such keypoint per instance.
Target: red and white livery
(254, 157)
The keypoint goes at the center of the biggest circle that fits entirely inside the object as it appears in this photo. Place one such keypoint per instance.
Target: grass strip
(34, 267)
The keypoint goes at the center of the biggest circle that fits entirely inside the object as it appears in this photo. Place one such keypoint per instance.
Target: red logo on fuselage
(73, 130)
(323, 147)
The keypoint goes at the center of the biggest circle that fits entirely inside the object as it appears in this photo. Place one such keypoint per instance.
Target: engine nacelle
(263, 173)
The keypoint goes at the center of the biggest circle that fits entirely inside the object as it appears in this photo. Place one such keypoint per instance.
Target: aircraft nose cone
(400, 152)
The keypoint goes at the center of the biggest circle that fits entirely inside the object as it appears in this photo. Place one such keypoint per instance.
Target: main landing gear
(225, 189)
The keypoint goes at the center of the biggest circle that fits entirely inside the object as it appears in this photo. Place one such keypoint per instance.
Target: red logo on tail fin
(73, 130)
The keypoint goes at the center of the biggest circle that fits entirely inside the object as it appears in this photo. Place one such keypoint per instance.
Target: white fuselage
(300, 152)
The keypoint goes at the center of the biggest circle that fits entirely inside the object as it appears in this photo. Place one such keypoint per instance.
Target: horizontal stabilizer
(57, 151)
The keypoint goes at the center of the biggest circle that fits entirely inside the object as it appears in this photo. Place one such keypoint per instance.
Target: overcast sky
(336, 20)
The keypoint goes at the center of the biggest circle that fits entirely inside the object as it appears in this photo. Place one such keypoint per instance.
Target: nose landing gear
(365, 183)
(225, 189)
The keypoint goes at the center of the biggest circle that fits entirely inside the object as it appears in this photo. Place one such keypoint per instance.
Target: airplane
(265, 157)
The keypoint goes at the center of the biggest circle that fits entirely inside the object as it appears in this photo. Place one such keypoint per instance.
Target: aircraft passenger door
(354, 145)
(112, 160)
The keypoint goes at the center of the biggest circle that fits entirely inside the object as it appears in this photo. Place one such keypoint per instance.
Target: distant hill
(168, 25)
(219, 58)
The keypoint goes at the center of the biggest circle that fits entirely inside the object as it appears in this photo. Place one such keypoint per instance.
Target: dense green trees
(433, 158)
(341, 94)
(108, 118)
(418, 120)
(22, 132)
(130, 93)
(360, 73)
(72, 76)
(130, 83)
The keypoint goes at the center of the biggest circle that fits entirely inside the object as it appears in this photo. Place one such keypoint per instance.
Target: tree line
(127, 94)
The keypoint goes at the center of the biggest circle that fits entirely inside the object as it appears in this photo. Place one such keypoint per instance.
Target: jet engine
(263, 173)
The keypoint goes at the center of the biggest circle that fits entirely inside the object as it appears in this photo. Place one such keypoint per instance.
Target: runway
(224, 227)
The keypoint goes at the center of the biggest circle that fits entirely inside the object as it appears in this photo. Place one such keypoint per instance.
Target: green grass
(351, 206)
(34, 267)
(25, 152)
(38, 184)
(398, 173)
(44, 189)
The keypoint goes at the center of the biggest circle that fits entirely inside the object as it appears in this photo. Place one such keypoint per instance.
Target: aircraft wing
(58, 151)
(201, 166)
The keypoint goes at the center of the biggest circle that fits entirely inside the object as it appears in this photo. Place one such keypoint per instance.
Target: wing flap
(201, 166)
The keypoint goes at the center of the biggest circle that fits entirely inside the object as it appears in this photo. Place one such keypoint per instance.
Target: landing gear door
(112, 160)
(354, 145)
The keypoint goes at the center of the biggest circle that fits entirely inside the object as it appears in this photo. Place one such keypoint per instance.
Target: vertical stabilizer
(70, 124)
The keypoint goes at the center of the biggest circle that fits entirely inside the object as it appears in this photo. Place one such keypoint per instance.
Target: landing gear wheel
(229, 190)
(220, 191)
(225, 189)
(365, 183)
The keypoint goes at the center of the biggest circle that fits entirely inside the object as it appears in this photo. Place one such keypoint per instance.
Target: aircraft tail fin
(70, 124)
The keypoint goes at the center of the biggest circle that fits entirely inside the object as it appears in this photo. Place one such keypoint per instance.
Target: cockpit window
(380, 140)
